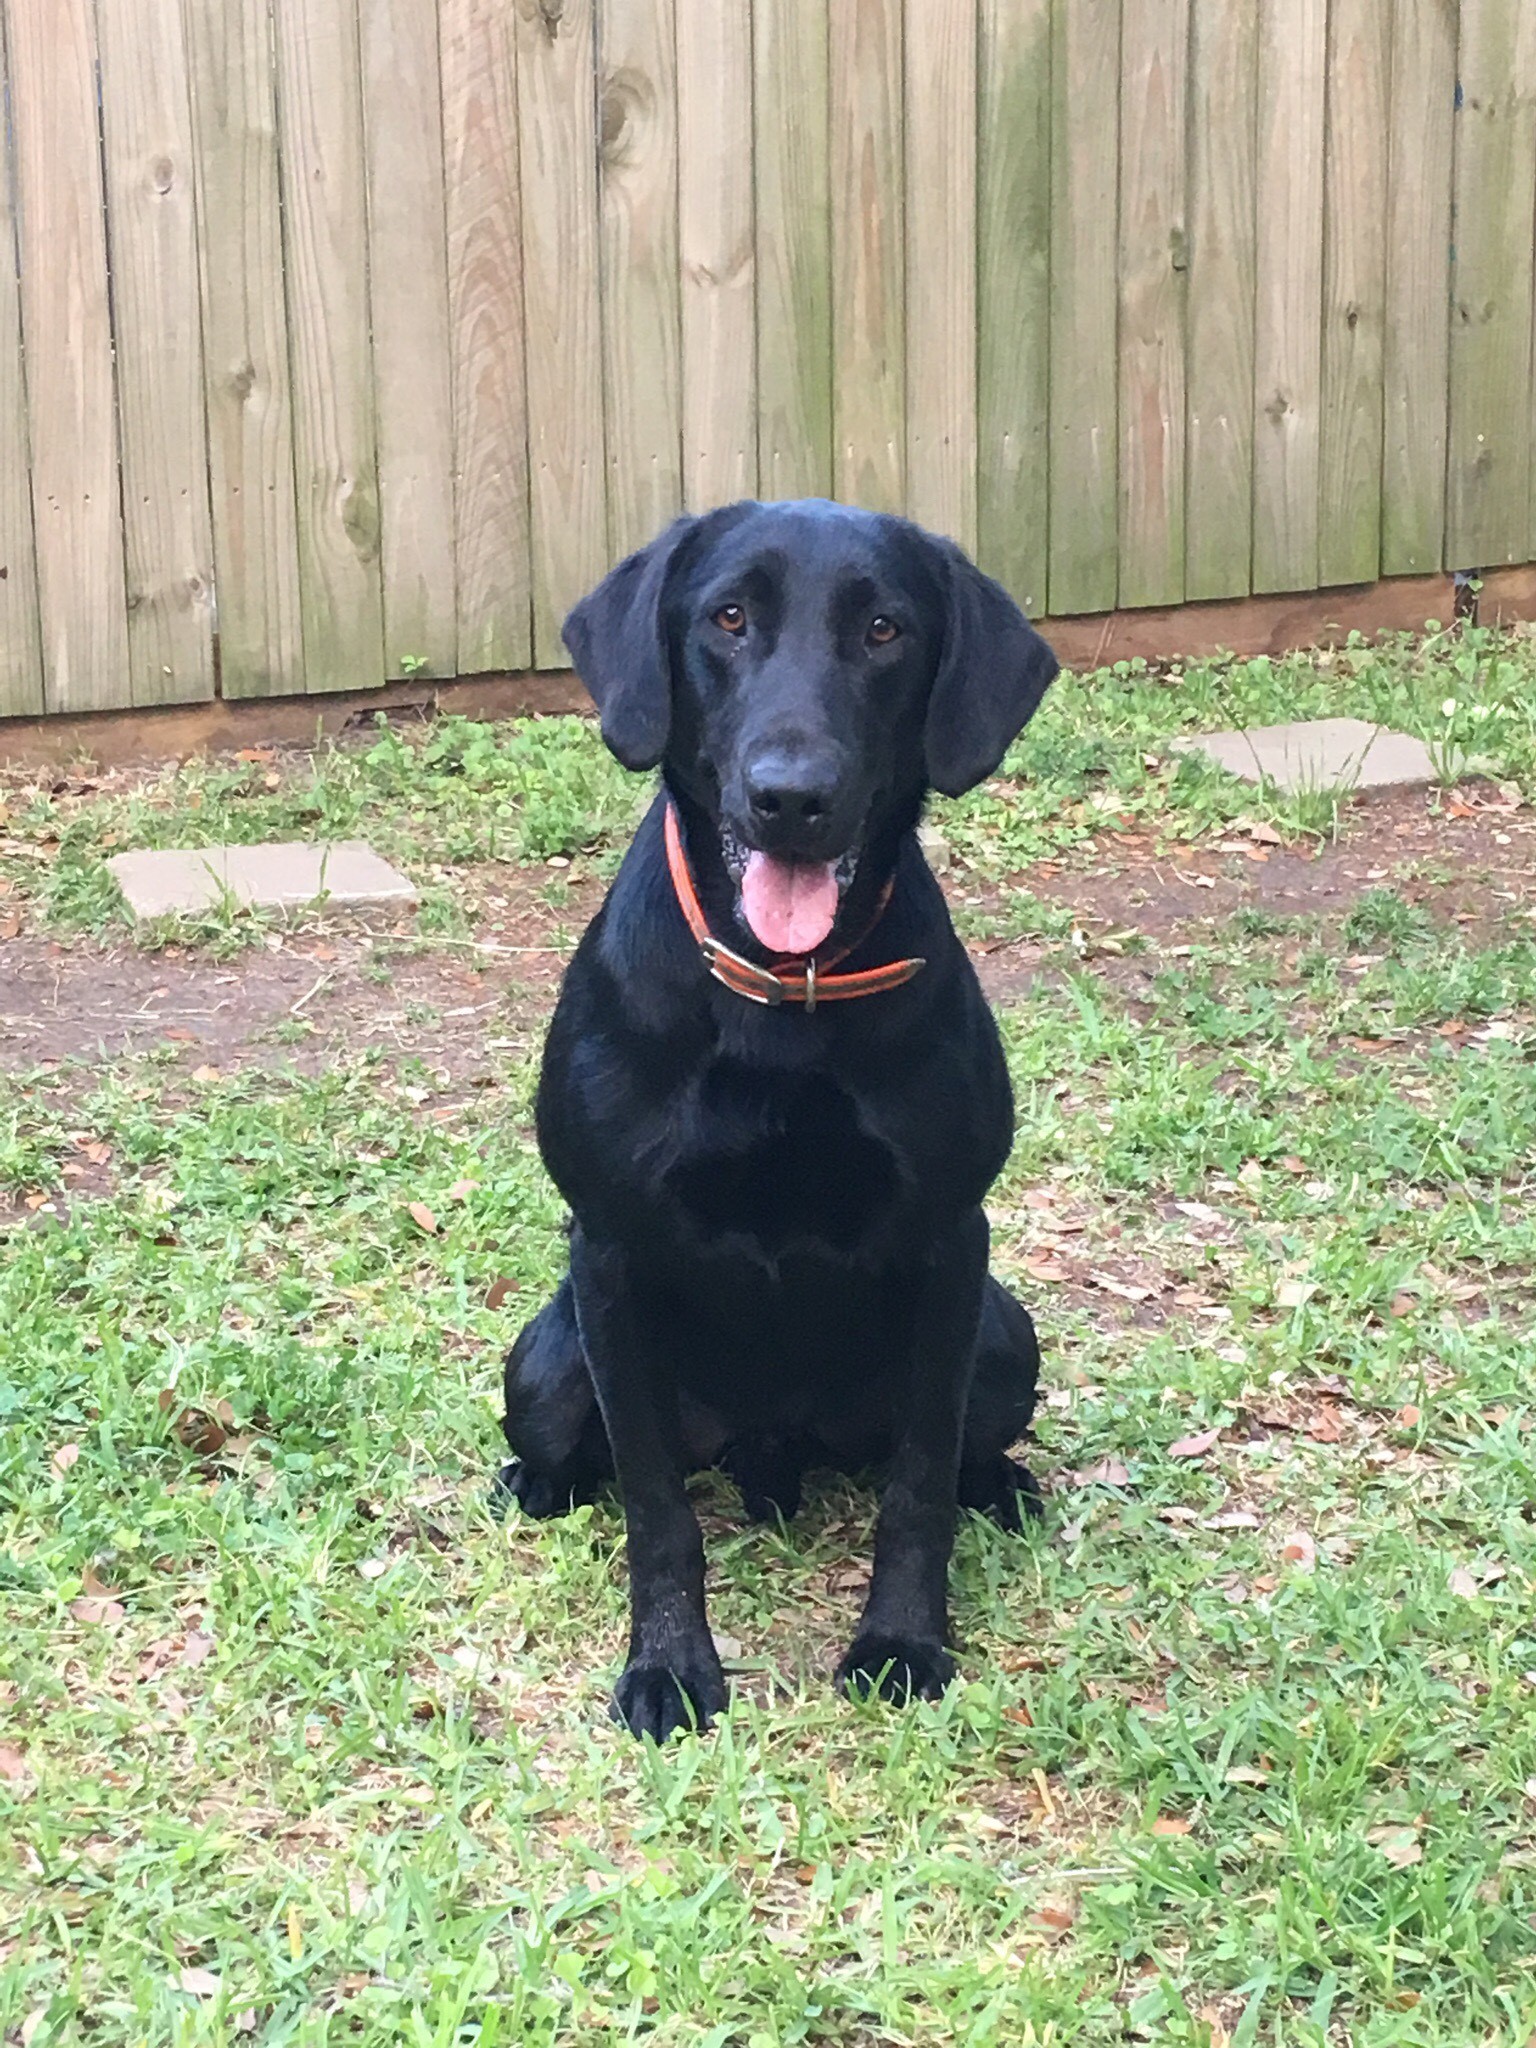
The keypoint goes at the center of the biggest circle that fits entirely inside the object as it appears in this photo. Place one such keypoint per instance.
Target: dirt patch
(312, 994)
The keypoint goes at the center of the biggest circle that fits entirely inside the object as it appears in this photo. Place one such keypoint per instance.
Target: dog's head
(806, 672)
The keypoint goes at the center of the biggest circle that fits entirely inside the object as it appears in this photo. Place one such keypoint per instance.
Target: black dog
(773, 1094)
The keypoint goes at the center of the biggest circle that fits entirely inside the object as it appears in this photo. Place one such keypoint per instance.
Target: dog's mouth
(789, 906)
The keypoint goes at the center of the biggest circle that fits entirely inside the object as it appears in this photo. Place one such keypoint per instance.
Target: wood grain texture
(157, 319)
(561, 271)
(940, 100)
(492, 534)
(21, 646)
(642, 340)
(1293, 48)
(1218, 530)
(249, 403)
(1013, 243)
(1085, 72)
(717, 249)
(868, 256)
(1154, 46)
(325, 217)
(1354, 292)
(1416, 343)
(412, 359)
(790, 115)
(65, 316)
(1489, 469)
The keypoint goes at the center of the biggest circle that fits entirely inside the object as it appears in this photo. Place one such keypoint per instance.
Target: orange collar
(798, 978)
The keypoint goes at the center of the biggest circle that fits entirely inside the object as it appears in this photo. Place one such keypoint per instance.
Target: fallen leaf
(14, 1767)
(1400, 1845)
(462, 1190)
(374, 1567)
(423, 1218)
(1041, 1266)
(197, 1649)
(1194, 1446)
(1294, 1293)
(181, 1034)
(66, 1456)
(1408, 1417)
(498, 1292)
(1233, 1518)
(200, 1433)
(1299, 1550)
(1108, 1472)
(1326, 1426)
(1217, 2035)
(1246, 1774)
(1170, 1824)
(1403, 1304)
(1462, 1583)
(200, 1983)
(727, 1648)
(1057, 1915)
(1127, 1290)
(245, 2022)
(11, 928)
(206, 1074)
(96, 1612)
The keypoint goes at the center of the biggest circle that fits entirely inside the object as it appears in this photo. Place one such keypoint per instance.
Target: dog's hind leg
(768, 1469)
(1001, 1405)
(560, 1455)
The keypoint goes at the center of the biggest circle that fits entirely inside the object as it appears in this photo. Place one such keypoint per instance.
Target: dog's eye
(731, 619)
(883, 631)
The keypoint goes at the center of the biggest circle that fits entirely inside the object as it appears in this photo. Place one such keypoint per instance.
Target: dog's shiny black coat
(778, 1252)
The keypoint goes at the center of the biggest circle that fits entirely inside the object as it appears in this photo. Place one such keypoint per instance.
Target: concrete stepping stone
(1317, 754)
(288, 876)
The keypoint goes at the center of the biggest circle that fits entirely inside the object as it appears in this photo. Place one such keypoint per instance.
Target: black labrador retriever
(773, 1094)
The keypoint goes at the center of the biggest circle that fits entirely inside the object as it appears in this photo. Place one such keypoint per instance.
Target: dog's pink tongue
(790, 905)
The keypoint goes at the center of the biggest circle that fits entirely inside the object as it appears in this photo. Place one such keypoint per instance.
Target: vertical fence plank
(1354, 292)
(151, 208)
(716, 235)
(1153, 299)
(940, 99)
(320, 116)
(1293, 47)
(642, 344)
(66, 324)
(561, 269)
(408, 297)
(1489, 466)
(491, 542)
(790, 114)
(1218, 550)
(1085, 73)
(21, 647)
(245, 350)
(868, 266)
(1013, 295)
(1416, 365)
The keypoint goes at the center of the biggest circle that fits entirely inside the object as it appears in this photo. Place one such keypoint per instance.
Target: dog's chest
(782, 1161)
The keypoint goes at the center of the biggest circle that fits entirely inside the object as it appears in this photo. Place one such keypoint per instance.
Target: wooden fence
(346, 338)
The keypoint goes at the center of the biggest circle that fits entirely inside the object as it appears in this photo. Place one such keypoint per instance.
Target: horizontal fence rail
(348, 339)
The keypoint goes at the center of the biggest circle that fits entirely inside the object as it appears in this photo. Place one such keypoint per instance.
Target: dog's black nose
(784, 795)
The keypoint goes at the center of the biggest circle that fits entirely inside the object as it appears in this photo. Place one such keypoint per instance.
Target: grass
(298, 1746)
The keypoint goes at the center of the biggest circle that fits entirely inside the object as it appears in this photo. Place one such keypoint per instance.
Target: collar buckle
(744, 977)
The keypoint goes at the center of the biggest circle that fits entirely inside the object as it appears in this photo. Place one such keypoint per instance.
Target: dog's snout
(785, 794)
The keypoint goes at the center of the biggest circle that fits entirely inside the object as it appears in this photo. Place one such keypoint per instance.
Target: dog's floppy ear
(617, 638)
(993, 670)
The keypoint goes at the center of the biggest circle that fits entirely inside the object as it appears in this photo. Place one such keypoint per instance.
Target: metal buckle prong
(765, 987)
(810, 984)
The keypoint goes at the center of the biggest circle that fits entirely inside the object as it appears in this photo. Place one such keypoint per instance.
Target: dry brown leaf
(206, 1074)
(14, 1767)
(1058, 1915)
(181, 1034)
(1247, 1774)
(1462, 1583)
(1400, 1845)
(374, 1567)
(1041, 1266)
(1108, 1472)
(1299, 1550)
(197, 1649)
(498, 1292)
(462, 1190)
(1326, 1426)
(1170, 1824)
(1194, 1446)
(423, 1218)
(1233, 1518)
(200, 1983)
(1408, 1417)
(1294, 1293)
(66, 1456)
(1403, 1304)
(1126, 1289)
(200, 1433)
(97, 1612)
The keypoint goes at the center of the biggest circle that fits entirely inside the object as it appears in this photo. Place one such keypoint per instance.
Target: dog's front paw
(897, 1668)
(661, 1699)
